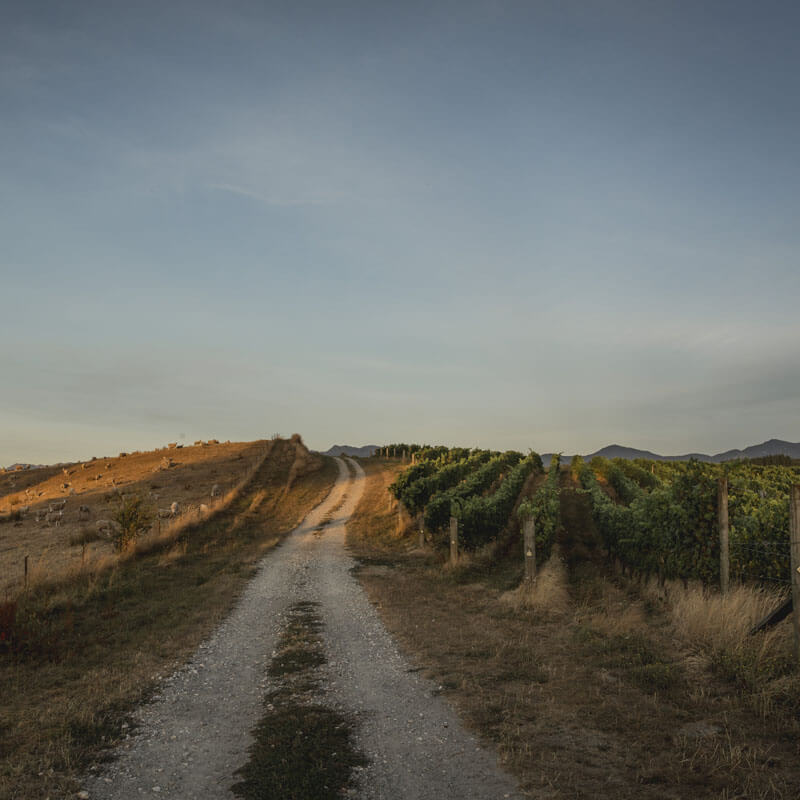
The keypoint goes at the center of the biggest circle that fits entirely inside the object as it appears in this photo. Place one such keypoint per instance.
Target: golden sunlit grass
(92, 643)
(184, 475)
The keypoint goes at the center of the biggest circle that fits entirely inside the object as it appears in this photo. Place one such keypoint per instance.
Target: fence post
(529, 540)
(794, 551)
(26, 572)
(453, 540)
(724, 552)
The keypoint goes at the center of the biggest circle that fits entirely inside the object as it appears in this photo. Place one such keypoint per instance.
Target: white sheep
(174, 508)
(215, 490)
(55, 517)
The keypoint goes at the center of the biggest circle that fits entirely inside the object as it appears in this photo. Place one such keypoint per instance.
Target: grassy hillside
(82, 650)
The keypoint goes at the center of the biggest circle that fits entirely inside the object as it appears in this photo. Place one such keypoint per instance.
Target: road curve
(194, 734)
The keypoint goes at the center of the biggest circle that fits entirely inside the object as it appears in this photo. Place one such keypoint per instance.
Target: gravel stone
(194, 733)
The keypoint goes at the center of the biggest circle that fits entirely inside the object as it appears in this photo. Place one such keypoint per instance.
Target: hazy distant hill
(773, 447)
(348, 450)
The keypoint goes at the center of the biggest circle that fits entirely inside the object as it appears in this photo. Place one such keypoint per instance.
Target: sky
(548, 225)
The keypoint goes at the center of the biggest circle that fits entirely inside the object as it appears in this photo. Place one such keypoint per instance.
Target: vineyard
(479, 488)
(662, 518)
(655, 517)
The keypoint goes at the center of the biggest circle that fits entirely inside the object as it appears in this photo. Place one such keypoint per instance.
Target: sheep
(58, 505)
(215, 490)
(174, 508)
(55, 517)
(84, 512)
(203, 508)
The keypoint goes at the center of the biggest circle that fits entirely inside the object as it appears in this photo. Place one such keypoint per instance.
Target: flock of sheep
(55, 512)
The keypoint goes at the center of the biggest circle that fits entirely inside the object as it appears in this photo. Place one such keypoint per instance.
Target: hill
(772, 447)
(349, 450)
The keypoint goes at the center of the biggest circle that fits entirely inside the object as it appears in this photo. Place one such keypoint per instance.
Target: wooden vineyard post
(405, 456)
(529, 542)
(724, 552)
(453, 540)
(413, 459)
(794, 559)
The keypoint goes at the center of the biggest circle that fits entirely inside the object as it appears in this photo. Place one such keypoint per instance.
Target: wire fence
(743, 554)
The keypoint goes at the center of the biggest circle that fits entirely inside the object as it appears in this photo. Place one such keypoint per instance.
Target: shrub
(133, 518)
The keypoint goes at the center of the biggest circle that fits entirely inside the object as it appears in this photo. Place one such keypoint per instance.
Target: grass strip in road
(302, 749)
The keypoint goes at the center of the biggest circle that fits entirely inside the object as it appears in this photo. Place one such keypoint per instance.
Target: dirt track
(194, 734)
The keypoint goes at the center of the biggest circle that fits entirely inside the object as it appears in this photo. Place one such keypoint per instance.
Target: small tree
(133, 518)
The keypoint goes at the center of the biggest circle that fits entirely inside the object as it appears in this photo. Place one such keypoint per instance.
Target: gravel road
(195, 732)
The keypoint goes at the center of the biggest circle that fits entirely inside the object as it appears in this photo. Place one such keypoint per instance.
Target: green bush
(133, 518)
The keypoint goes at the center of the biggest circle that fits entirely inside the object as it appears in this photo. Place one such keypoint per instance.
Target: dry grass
(188, 481)
(374, 523)
(715, 621)
(549, 593)
(597, 700)
(94, 643)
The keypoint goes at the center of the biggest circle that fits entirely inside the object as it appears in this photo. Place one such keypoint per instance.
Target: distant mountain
(348, 450)
(773, 447)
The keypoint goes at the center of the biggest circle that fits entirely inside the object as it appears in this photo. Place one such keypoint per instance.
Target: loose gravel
(194, 734)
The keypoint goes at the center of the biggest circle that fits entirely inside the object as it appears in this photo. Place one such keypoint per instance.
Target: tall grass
(718, 626)
(714, 621)
(549, 594)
